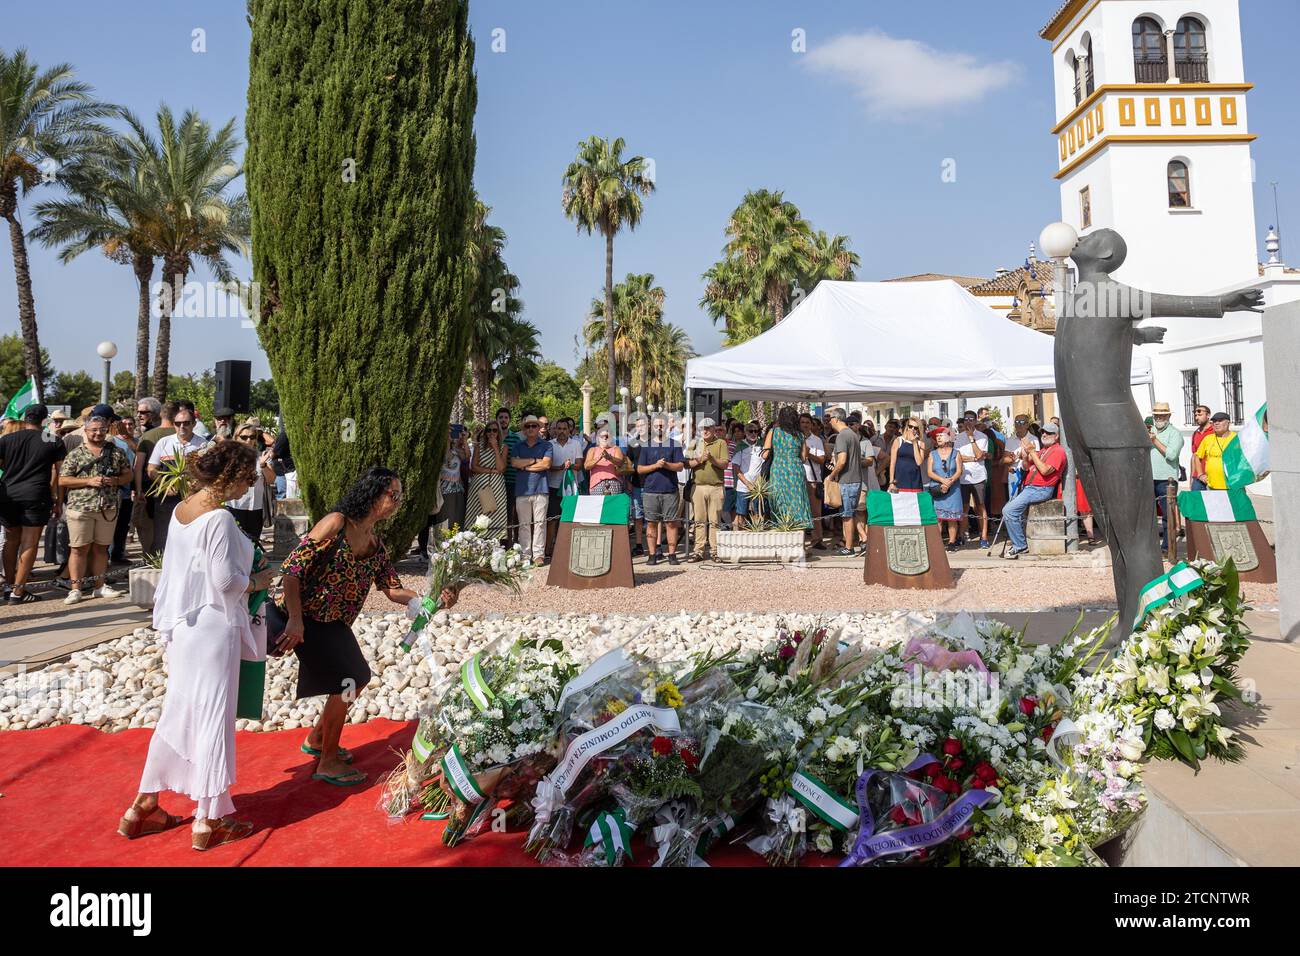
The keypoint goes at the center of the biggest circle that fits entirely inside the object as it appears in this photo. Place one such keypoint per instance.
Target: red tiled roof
(1009, 282)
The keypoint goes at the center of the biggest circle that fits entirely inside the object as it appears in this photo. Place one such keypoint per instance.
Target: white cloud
(899, 78)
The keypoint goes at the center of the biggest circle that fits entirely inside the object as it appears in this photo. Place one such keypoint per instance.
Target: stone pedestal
(1200, 544)
(1281, 359)
(877, 570)
(1045, 527)
(579, 567)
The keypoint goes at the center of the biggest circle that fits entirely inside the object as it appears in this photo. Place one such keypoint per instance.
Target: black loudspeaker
(233, 380)
(707, 403)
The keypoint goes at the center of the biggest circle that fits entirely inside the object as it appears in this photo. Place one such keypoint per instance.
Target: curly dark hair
(788, 420)
(359, 500)
(221, 465)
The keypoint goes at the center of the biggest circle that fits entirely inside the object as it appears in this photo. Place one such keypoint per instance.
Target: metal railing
(1194, 69)
(1151, 71)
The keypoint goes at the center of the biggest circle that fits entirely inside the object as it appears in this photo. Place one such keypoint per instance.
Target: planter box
(141, 585)
(736, 546)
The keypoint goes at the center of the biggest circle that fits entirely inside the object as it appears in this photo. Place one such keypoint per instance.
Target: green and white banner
(476, 685)
(24, 397)
(421, 746)
(1176, 582)
(595, 509)
(901, 510)
(1231, 505)
(821, 800)
(1246, 458)
(459, 778)
(599, 739)
(612, 831)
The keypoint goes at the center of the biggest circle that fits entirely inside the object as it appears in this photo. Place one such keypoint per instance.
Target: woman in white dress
(201, 612)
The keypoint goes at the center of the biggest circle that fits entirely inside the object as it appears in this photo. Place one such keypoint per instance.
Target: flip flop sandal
(344, 754)
(147, 824)
(226, 831)
(348, 779)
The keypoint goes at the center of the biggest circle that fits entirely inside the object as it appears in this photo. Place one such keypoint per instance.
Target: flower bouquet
(459, 558)
(489, 737)
(1182, 659)
(609, 720)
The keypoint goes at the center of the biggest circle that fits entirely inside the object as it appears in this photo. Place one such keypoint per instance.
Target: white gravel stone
(122, 683)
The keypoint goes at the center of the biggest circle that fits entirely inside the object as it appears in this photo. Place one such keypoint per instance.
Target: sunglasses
(533, 425)
(183, 424)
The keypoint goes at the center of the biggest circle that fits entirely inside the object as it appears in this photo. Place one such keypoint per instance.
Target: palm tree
(602, 192)
(666, 374)
(517, 364)
(830, 258)
(773, 245)
(45, 118)
(637, 317)
(492, 303)
(747, 320)
(113, 206)
(190, 167)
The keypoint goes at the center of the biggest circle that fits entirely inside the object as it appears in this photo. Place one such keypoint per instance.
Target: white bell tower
(1152, 137)
(1153, 142)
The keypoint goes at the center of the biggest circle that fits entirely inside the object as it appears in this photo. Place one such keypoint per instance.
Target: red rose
(955, 764)
(798, 636)
(977, 784)
(933, 770)
(1027, 705)
(1047, 732)
(661, 746)
(899, 816)
(966, 834)
(985, 771)
(952, 746)
(948, 785)
(787, 650)
(691, 761)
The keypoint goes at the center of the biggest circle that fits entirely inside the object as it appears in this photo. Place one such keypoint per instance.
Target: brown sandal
(225, 831)
(147, 823)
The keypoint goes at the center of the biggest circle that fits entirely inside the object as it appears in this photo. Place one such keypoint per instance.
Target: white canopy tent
(877, 341)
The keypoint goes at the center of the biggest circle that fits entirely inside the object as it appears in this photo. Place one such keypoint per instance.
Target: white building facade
(1153, 141)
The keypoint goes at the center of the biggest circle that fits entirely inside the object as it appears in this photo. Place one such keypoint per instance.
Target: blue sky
(714, 94)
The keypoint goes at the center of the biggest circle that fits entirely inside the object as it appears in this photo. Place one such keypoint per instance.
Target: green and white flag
(1179, 579)
(1231, 505)
(24, 397)
(595, 509)
(1245, 459)
(476, 685)
(459, 778)
(902, 510)
(823, 801)
(612, 831)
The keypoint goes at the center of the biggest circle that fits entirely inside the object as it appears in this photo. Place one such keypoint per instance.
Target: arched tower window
(1073, 65)
(1089, 67)
(1150, 65)
(1180, 185)
(1191, 53)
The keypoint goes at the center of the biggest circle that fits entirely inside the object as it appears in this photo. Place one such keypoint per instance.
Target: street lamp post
(106, 350)
(586, 389)
(1058, 240)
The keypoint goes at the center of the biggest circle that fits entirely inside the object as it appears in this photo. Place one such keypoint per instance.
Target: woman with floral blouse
(326, 581)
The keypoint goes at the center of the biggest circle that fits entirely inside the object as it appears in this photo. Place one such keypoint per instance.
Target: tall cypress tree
(359, 166)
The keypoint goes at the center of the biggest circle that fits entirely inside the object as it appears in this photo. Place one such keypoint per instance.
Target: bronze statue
(1111, 447)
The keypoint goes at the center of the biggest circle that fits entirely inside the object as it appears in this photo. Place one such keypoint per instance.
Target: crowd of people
(687, 481)
(86, 485)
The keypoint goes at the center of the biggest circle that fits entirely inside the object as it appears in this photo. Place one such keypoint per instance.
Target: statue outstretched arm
(1198, 306)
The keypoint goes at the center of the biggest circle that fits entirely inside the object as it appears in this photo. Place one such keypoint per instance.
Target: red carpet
(65, 788)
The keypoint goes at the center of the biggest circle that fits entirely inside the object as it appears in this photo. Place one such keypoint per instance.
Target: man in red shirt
(1044, 471)
(1204, 427)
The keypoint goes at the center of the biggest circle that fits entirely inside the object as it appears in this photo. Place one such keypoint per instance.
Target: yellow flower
(669, 694)
(615, 706)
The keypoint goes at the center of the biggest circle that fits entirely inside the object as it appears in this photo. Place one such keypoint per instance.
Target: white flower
(1225, 735)
(1157, 678)
(481, 523)
(825, 844)
(1059, 795)
(817, 715)
(1008, 844)
(1130, 751)
(1207, 676)
(1164, 719)
(1188, 681)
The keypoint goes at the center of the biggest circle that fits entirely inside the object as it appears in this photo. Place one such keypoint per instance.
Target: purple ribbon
(870, 845)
